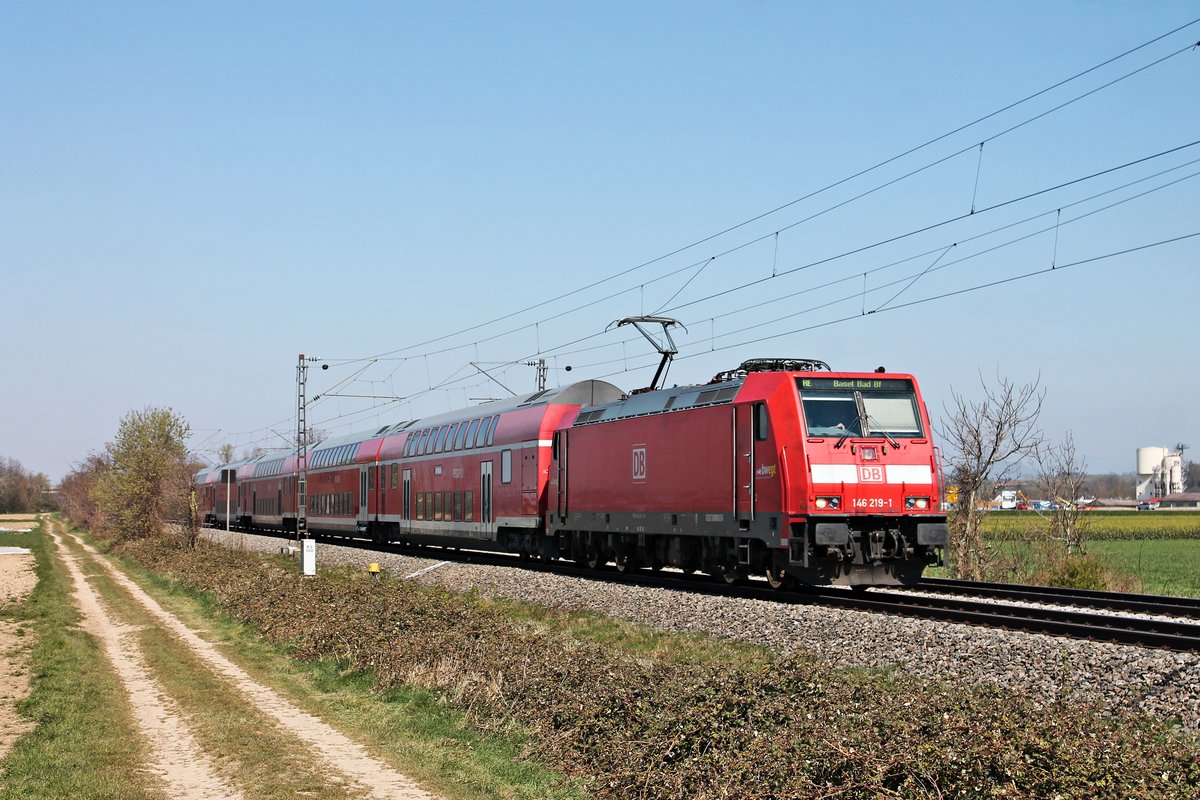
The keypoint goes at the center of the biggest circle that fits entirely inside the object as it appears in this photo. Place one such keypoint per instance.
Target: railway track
(1090, 625)
(1161, 605)
(929, 601)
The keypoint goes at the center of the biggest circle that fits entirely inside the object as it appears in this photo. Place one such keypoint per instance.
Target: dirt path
(370, 776)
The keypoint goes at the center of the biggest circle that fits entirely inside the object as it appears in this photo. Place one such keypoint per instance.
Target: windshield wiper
(842, 437)
(884, 434)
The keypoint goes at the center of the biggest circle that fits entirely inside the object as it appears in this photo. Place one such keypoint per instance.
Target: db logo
(639, 463)
(870, 474)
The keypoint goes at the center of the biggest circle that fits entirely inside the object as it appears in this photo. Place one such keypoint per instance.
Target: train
(781, 468)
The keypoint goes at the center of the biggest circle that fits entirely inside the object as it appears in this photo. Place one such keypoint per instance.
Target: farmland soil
(177, 759)
(17, 580)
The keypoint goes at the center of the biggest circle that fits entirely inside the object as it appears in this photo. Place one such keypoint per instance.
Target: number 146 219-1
(872, 502)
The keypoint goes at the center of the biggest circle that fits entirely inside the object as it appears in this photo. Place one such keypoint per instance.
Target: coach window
(471, 432)
(458, 508)
(481, 437)
(492, 429)
(441, 437)
(761, 427)
(462, 433)
(451, 436)
(506, 466)
(469, 510)
(420, 505)
(437, 505)
(421, 445)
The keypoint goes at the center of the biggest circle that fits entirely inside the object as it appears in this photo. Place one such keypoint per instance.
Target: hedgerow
(637, 725)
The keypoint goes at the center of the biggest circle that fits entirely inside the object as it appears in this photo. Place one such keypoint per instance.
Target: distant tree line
(140, 484)
(22, 491)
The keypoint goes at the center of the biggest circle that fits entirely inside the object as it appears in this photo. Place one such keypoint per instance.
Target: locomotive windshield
(890, 410)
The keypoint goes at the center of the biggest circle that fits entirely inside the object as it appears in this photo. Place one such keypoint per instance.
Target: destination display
(855, 384)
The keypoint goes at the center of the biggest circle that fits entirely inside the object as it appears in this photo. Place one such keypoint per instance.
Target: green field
(1155, 552)
(1163, 566)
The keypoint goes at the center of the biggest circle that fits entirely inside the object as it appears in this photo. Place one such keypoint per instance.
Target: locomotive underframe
(852, 551)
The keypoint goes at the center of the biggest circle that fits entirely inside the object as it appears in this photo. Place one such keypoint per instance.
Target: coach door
(487, 524)
(407, 497)
(560, 456)
(362, 493)
(743, 463)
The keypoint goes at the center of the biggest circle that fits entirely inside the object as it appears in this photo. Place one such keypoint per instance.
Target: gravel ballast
(1110, 677)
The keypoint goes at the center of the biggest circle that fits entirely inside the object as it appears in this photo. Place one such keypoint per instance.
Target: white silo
(1173, 473)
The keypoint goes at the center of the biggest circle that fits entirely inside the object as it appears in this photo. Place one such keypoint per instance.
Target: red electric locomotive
(780, 468)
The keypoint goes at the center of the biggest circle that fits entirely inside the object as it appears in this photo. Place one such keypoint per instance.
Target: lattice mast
(301, 448)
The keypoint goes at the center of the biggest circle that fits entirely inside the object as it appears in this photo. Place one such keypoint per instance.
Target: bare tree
(21, 490)
(77, 492)
(985, 441)
(1062, 473)
(225, 453)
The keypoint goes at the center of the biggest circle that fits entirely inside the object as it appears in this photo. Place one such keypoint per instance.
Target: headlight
(828, 502)
(918, 503)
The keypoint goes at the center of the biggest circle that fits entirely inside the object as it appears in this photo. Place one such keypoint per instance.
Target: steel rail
(1187, 607)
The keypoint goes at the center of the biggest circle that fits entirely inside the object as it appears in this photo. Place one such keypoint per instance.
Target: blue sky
(191, 194)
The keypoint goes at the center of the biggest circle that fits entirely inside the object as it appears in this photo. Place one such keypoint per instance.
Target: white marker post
(308, 556)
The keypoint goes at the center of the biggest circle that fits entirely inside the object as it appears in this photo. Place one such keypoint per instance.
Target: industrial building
(1160, 476)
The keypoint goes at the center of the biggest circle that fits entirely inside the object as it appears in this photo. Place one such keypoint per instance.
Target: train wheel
(729, 574)
(626, 563)
(777, 578)
(592, 558)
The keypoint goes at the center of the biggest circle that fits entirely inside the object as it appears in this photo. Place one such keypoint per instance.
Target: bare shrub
(986, 440)
(1062, 474)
